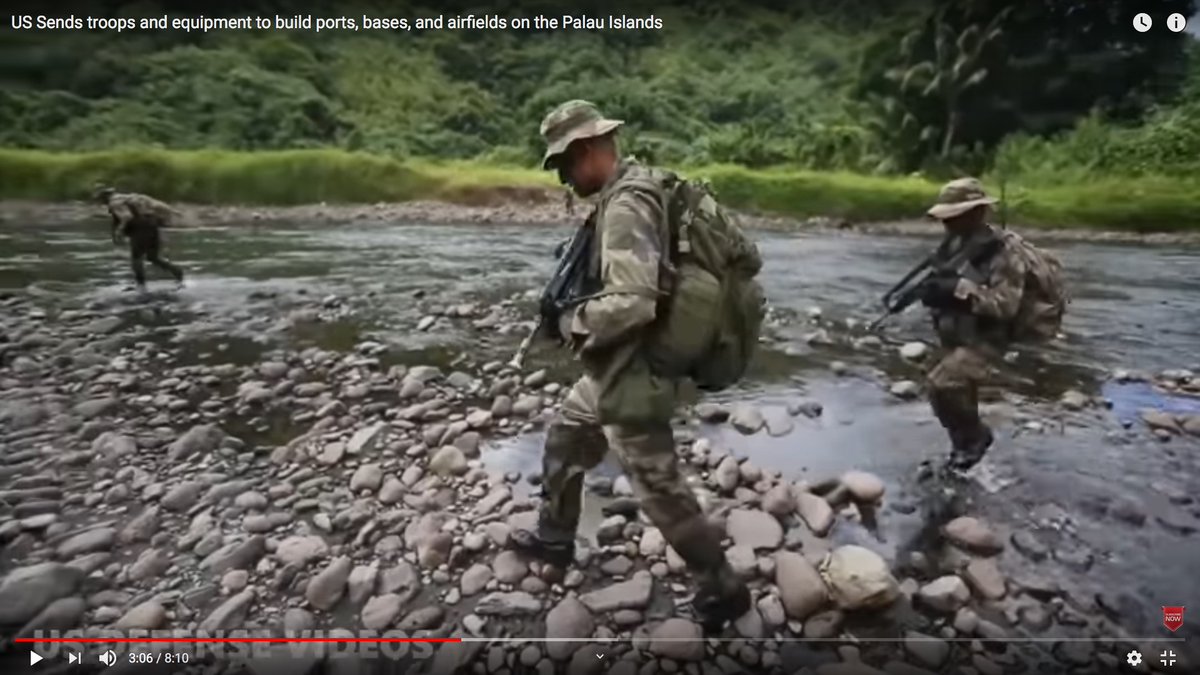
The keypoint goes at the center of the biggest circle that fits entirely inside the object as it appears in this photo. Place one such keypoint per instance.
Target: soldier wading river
(320, 430)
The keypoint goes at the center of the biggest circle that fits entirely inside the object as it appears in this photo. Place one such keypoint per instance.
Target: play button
(34, 657)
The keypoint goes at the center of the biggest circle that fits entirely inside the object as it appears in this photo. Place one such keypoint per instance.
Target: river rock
(865, 487)
(678, 639)
(747, 419)
(448, 461)
(299, 550)
(182, 497)
(754, 529)
(229, 614)
(368, 439)
(62, 614)
(1128, 509)
(570, 618)
(778, 501)
(99, 539)
(475, 579)
(509, 567)
(199, 440)
(973, 535)
(858, 578)
(929, 651)
(381, 611)
(984, 576)
(800, 586)
(905, 389)
(366, 477)
(1156, 419)
(236, 555)
(326, 588)
(728, 474)
(1029, 545)
(631, 594)
(815, 512)
(914, 351)
(149, 615)
(712, 413)
(513, 603)
(653, 543)
(1074, 400)
(945, 594)
(26, 591)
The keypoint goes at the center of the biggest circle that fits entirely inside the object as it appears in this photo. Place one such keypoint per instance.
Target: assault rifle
(905, 293)
(562, 292)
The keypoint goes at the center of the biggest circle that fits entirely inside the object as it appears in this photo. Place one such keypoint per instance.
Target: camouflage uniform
(620, 402)
(976, 329)
(140, 218)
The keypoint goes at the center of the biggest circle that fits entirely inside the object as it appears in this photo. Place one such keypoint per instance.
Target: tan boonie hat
(959, 196)
(570, 122)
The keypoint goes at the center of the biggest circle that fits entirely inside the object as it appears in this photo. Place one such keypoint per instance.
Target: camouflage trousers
(953, 386)
(576, 442)
(145, 243)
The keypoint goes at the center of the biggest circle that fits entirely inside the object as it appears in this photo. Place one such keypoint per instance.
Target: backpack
(1045, 297)
(712, 310)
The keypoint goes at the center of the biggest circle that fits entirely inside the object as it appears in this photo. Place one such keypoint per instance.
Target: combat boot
(558, 553)
(721, 602)
(971, 449)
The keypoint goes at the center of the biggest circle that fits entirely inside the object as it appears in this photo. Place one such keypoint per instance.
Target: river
(1054, 473)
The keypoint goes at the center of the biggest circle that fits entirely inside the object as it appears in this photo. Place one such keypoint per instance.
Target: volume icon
(108, 658)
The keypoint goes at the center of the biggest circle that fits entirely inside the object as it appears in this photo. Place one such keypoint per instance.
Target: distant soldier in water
(139, 218)
(570, 199)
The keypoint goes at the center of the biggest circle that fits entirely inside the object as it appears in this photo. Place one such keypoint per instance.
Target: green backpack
(712, 311)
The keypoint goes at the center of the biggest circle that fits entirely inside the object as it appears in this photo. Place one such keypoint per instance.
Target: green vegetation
(817, 107)
(335, 176)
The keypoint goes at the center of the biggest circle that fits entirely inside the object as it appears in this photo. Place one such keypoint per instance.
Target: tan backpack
(1045, 298)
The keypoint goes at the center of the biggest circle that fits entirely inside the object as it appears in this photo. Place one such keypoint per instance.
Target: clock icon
(1142, 22)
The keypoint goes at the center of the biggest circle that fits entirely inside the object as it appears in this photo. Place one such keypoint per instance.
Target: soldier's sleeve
(120, 211)
(1000, 296)
(630, 253)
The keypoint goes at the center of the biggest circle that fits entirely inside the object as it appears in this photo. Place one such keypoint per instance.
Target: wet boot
(553, 552)
(722, 596)
(958, 411)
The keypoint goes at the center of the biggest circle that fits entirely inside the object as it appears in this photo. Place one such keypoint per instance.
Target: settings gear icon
(1134, 658)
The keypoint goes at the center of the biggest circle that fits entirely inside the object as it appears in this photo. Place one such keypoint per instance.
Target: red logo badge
(1172, 618)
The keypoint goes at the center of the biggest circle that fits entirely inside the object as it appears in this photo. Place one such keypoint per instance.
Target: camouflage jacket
(633, 236)
(130, 210)
(991, 292)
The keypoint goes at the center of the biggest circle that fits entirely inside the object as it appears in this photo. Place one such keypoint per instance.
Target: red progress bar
(113, 640)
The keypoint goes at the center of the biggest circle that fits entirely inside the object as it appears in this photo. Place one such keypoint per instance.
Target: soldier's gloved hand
(939, 291)
(561, 248)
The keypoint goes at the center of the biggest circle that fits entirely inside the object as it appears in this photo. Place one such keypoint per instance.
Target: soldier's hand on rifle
(938, 291)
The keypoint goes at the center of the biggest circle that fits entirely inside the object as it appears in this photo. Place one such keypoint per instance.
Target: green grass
(334, 176)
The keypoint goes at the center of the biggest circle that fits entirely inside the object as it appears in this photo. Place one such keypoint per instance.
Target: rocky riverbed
(320, 431)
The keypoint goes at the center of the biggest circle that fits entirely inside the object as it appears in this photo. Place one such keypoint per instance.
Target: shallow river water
(1053, 472)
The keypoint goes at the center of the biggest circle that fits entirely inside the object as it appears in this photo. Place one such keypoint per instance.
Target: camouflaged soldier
(1010, 293)
(139, 218)
(621, 402)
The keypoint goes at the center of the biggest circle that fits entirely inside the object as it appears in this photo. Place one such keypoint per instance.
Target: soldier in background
(139, 218)
(1010, 292)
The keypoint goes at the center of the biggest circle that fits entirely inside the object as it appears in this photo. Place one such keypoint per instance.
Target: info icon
(1177, 22)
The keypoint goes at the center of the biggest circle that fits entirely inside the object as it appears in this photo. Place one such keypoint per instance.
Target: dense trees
(871, 86)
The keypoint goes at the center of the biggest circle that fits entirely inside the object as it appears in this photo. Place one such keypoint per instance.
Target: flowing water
(1053, 472)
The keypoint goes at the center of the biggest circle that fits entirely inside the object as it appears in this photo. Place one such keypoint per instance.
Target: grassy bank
(308, 176)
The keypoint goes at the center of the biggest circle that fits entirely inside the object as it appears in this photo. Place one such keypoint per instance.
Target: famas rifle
(906, 291)
(563, 292)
